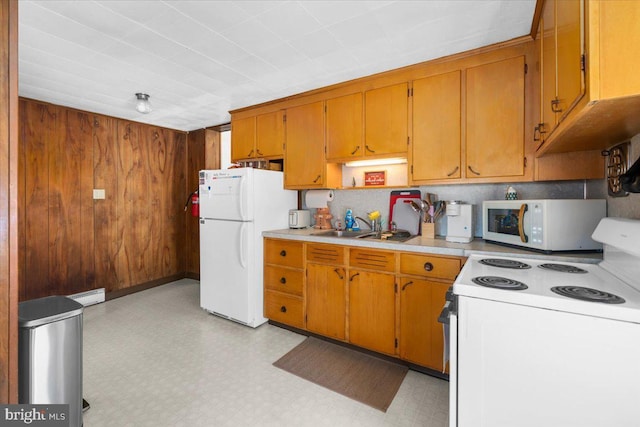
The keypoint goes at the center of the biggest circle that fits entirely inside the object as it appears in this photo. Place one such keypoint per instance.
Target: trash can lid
(47, 310)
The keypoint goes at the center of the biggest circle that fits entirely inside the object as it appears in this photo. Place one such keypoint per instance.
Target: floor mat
(367, 379)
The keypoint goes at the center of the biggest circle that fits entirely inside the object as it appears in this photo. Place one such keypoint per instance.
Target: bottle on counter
(348, 220)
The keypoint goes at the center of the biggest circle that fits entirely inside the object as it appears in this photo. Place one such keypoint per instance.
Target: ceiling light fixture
(142, 103)
(376, 162)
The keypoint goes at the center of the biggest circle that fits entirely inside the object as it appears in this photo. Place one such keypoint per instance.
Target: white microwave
(547, 225)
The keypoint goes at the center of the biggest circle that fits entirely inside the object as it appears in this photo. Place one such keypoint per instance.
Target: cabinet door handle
(555, 106)
(250, 153)
(338, 273)
(283, 309)
(428, 266)
(259, 153)
(316, 180)
(283, 253)
(453, 171)
(356, 150)
(473, 172)
(407, 284)
(353, 277)
(366, 147)
(283, 280)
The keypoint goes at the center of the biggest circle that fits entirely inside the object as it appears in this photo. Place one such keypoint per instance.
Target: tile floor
(155, 358)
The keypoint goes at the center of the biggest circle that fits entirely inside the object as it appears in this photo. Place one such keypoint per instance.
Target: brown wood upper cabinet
(590, 91)
(258, 137)
(495, 102)
(491, 113)
(561, 53)
(305, 165)
(344, 127)
(436, 128)
(386, 115)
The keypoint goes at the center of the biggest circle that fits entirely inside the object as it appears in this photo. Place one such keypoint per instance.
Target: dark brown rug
(361, 377)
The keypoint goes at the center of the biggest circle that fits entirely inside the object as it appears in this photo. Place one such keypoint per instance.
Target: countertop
(437, 246)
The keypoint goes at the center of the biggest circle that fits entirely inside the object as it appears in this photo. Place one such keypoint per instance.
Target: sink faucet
(374, 225)
(365, 221)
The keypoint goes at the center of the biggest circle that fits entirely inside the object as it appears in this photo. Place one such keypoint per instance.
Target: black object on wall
(631, 179)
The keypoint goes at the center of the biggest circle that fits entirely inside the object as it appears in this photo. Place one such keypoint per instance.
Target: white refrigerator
(236, 206)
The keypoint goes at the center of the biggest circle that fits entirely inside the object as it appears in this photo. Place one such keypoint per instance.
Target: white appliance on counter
(535, 342)
(460, 222)
(236, 206)
(545, 225)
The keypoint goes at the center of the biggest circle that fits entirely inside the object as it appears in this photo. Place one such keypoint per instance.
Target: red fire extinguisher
(195, 204)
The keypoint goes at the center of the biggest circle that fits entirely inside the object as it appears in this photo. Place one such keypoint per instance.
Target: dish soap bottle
(348, 220)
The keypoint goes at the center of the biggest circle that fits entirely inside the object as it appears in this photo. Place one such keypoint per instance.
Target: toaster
(299, 218)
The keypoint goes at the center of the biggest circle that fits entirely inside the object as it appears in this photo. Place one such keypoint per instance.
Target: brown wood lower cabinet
(384, 301)
(326, 300)
(372, 311)
(421, 336)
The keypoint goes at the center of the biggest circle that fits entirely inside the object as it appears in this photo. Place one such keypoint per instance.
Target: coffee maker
(460, 221)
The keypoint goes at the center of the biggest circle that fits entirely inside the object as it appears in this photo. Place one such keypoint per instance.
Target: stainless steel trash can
(50, 354)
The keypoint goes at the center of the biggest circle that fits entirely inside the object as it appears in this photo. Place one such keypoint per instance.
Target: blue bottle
(348, 220)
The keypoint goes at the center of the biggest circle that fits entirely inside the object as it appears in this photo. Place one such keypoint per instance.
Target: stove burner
(499, 283)
(587, 294)
(563, 268)
(504, 263)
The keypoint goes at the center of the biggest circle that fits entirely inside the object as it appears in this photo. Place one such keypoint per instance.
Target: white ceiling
(199, 59)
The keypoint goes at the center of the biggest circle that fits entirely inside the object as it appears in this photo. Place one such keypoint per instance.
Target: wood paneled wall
(8, 201)
(203, 153)
(71, 242)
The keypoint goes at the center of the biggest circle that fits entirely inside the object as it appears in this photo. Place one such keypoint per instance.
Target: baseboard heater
(92, 297)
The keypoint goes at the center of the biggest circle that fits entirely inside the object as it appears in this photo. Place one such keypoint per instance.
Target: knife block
(428, 230)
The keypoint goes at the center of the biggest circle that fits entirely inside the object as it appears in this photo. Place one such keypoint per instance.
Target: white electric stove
(546, 343)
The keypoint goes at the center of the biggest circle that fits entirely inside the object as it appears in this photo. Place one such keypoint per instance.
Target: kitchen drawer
(283, 252)
(283, 279)
(326, 254)
(372, 259)
(430, 266)
(283, 308)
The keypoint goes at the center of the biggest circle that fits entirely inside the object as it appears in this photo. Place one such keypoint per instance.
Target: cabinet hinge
(284, 118)
(411, 169)
(526, 68)
(325, 109)
(409, 91)
(525, 162)
(395, 288)
(396, 343)
(583, 62)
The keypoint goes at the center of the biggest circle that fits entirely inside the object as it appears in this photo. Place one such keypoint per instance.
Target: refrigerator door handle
(242, 247)
(242, 197)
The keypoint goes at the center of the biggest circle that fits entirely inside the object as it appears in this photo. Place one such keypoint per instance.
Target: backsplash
(623, 207)
(363, 201)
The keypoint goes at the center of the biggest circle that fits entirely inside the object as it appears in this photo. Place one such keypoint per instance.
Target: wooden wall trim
(13, 205)
(537, 15)
(9, 201)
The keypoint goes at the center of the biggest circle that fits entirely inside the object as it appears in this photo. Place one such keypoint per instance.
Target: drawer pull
(407, 284)
(338, 273)
(428, 266)
(353, 277)
(283, 280)
(283, 253)
(283, 309)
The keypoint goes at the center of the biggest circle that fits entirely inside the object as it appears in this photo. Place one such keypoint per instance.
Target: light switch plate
(98, 194)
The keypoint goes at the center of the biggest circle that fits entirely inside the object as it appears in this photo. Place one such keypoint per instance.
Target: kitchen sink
(392, 236)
